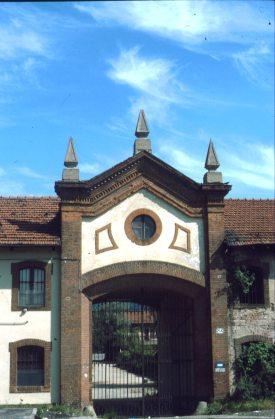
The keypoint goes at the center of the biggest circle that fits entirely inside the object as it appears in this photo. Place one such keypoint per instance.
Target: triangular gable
(143, 170)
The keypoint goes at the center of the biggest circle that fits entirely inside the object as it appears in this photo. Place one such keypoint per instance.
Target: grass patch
(230, 406)
(48, 411)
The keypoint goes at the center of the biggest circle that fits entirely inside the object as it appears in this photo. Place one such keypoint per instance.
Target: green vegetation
(241, 280)
(47, 411)
(255, 371)
(231, 406)
(245, 278)
(255, 376)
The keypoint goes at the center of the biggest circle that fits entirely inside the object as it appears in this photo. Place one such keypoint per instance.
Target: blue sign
(219, 367)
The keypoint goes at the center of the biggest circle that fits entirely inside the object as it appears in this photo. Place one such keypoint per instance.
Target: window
(256, 293)
(144, 227)
(30, 366)
(31, 285)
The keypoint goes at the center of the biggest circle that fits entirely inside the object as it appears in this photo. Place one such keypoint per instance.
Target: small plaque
(219, 367)
(219, 331)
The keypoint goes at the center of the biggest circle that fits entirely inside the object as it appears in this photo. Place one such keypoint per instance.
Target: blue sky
(199, 69)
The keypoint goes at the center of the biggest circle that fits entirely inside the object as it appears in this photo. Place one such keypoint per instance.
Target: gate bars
(142, 361)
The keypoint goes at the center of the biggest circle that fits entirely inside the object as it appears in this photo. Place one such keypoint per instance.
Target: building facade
(140, 231)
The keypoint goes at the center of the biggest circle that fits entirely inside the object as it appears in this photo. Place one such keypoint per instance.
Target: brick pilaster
(217, 287)
(75, 334)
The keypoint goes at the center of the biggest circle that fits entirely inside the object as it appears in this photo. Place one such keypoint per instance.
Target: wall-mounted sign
(219, 330)
(219, 367)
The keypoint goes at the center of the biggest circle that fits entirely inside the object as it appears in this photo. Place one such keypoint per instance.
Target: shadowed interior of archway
(143, 352)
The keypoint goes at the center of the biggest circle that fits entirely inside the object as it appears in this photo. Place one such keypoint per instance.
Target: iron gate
(142, 359)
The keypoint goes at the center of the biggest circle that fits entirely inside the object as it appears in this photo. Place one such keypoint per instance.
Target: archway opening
(142, 352)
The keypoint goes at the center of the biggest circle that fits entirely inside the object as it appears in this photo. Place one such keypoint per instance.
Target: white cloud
(156, 84)
(149, 75)
(188, 21)
(256, 63)
(24, 45)
(16, 40)
(255, 169)
(26, 171)
(186, 163)
(90, 169)
(11, 188)
(154, 79)
(192, 23)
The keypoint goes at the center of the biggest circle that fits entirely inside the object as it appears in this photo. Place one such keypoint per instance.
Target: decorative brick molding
(247, 339)
(142, 267)
(173, 245)
(13, 347)
(143, 171)
(113, 246)
(15, 271)
(129, 230)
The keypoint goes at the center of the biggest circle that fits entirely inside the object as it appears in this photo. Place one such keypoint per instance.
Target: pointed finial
(71, 171)
(142, 130)
(212, 164)
(142, 142)
(70, 158)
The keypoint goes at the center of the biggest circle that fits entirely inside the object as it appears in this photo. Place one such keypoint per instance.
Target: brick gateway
(145, 219)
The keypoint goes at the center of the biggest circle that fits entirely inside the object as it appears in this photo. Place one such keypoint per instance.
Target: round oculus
(143, 227)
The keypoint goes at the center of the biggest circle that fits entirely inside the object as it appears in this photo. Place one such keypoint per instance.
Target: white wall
(129, 251)
(41, 325)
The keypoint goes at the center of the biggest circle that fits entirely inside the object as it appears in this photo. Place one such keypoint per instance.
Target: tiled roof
(249, 221)
(29, 221)
(35, 221)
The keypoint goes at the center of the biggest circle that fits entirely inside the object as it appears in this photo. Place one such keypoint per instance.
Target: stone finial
(70, 158)
(142, 129)
(71, 171)
(212, 164)
(142, 142)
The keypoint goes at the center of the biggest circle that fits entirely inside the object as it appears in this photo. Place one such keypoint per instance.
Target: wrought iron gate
(142, 359)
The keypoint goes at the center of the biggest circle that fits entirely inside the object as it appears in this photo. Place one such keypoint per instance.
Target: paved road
(17, 413)
(111, 382)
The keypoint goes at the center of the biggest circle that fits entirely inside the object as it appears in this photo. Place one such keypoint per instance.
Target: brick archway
(153, 277)
(179, 276)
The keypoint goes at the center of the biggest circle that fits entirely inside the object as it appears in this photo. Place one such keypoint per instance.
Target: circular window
(143, 227)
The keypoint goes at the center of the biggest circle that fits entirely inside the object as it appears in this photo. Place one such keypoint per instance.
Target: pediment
(142, 171)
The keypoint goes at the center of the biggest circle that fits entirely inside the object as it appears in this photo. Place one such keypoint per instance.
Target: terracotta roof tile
(29, 221)
(250, 221)
(36, 221)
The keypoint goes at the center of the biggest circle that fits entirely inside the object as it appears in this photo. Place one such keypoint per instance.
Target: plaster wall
(127, 250)
(42, 325)
(245, 321)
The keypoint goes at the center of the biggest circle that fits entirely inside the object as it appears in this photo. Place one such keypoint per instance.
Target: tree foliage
(255, 371)
(245, 278)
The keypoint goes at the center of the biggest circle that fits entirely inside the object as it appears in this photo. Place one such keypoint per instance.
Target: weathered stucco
(43, 325)
(126, 250)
